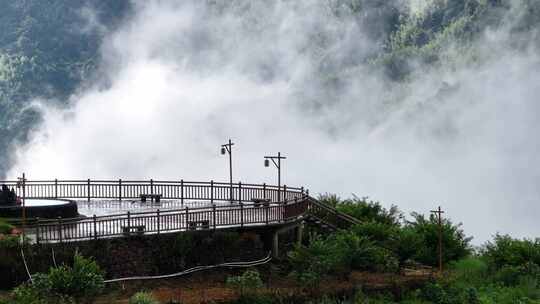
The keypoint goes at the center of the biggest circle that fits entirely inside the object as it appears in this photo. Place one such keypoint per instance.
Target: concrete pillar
(275, 245)
(299, 233)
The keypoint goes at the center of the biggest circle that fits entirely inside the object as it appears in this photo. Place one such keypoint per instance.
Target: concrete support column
(275, 245)
(299, 233)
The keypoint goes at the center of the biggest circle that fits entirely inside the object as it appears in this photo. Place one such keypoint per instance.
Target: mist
(179, 79)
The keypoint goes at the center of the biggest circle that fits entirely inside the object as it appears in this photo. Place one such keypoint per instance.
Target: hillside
(51, 50)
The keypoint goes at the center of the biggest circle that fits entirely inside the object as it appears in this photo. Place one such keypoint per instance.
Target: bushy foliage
(247, 284)
(507, 251)
(142, 298)
(338, 254)
(364, 209)
(310, 263)
(63, 284)
(456, 245)
(5, 227)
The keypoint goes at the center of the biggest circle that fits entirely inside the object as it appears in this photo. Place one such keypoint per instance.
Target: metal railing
(252, 205)
(179, 190)
(330, 214)
(156, 222)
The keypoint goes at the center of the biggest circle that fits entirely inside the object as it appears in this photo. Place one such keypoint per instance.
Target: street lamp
(227, 148)
(267, 160)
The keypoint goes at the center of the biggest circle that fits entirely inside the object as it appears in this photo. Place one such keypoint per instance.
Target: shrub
(506, 251)
(329, 199)
(246, 284)
(142, 298)
(470, 271)
(455, 244)
(370, 211)
(11, 241)
(83, 280)
(64, 284)
(5, 228)
(405, 242)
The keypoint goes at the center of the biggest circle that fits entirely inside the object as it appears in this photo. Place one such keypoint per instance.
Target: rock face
(7, 196)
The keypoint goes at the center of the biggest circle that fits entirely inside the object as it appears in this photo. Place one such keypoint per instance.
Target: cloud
(184, 77)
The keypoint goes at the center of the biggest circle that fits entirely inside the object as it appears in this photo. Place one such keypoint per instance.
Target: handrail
(156, 222)
(131, 189)
(284, 204)
(331, 214)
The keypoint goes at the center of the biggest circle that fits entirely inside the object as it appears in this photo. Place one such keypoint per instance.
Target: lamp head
(266, 163)
(222, 150)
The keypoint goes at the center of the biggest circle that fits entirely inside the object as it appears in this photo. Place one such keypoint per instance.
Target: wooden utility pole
(22, 183)
(439, 213)
(227, 148)
(267, 160)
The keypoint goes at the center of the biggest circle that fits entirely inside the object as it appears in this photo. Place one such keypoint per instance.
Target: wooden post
(129, 220)
(37, 230)
(241, 214)
(55, 188)
(264, 190)
(60, 229)
(284, 193)
(439, 213)
(212, 192)
(267, 207)
(158, 221)
(88, 190)
(95, 227)
(152, 189)
(240, 192)
(214, 215)
(120, 190)
(182, 192)
(187, 217)
(296, 207)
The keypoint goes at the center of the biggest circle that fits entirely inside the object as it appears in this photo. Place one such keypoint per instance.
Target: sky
(179, 78)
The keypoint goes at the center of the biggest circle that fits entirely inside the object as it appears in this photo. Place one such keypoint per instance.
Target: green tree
(456, 244)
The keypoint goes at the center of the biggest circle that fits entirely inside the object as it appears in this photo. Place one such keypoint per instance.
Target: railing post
(187, 217)
(182, 192)
(37, 230)
(240, 192)
(264, 190)
(296, 207)
(88, 189)
(267, 207)
(55, 188)
(284, 212)
(284, 193)
(214, 215)
(158, 221)
(152, 188)
(95, 227)
(60, 229)
(120, 190)
(241, 214)
(212, 192)
(129, 221)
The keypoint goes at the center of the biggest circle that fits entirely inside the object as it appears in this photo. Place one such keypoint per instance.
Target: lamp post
(227, 148)
(277, 163)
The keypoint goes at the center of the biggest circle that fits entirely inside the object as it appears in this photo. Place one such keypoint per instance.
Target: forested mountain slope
(51, 49)
(47, 49)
